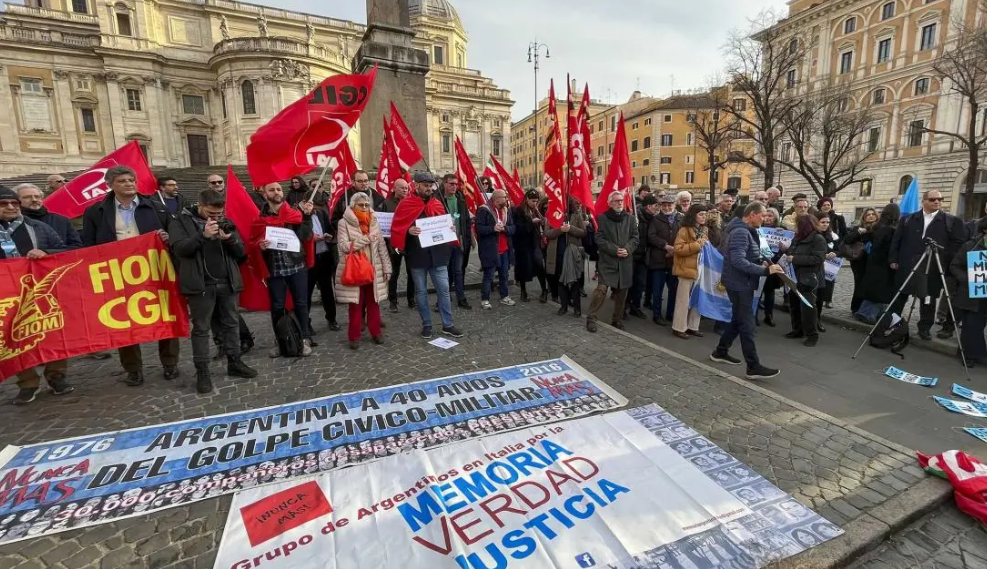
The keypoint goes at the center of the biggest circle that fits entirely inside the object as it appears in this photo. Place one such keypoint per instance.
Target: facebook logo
(585, 560)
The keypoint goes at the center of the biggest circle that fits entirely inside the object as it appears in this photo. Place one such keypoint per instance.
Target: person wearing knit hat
(23, 237)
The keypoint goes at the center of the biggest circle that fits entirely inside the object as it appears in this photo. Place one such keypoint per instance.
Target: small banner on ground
(902, 375)
(623, 490)
(970, 394)
(964, 407)
(112, 295)
(89, 480)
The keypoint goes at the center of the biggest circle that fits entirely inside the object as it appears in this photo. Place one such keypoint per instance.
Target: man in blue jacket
(743, 268)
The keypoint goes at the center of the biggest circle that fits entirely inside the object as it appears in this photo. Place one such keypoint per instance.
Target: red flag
(468, 179)
(407, 150)
(587, 136)
(75, 303)
(489, 172)
(389, 170)
(579, 173)
(517, 178)
(72, 199)
(620, 178)
(242, 211)
(514, 189)
(554, 182)
(309, 131)
(342, 174)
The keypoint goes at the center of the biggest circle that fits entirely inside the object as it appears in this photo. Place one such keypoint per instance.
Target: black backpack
(288, 335)
(895, 337)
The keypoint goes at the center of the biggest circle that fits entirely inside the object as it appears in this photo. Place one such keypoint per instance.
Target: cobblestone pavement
(845, 474)
(945, 539)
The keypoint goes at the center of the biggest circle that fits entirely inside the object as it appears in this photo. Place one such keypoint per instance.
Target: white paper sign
(436, 230)
(604, 491)
(282, 239)
(444, 343)
(384, 220)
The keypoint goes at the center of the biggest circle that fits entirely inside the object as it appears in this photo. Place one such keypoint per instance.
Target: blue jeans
(659, 279)
(741, 324)
(503, 266)
(456, 272)
(440, 278)
(278, 289)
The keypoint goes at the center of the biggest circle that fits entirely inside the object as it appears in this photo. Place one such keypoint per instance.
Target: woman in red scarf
(359, 234)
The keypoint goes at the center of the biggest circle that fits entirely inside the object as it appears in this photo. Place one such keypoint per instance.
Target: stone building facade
(885, 49)
(191, 80)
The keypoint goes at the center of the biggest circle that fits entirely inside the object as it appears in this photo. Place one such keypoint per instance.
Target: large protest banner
(113, 295)
(88, 480)
(629, 489)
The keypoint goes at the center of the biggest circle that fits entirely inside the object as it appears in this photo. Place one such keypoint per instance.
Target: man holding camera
(206, 247)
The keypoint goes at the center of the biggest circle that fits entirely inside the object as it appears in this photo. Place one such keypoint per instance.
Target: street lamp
(534, 49)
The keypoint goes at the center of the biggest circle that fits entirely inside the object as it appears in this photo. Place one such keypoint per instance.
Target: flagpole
(322, 177)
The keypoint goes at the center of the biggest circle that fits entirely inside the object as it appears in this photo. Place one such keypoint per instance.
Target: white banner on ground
(624, 490)
(57, 486)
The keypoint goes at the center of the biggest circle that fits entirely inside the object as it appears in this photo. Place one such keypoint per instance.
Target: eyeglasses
(10, 203)
(933, 199)
(362, 205)
(216, 183)
(58, 181)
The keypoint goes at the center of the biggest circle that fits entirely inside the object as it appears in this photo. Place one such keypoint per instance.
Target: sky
(617, 46)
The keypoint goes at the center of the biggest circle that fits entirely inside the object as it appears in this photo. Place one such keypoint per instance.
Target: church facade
(191, 80)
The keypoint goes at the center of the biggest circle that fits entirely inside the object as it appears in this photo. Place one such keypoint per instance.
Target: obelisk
(400, 77)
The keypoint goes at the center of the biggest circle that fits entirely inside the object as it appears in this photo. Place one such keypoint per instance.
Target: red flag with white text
(514, 189)
(72, 199)
(308, 132)
(579, 170)
(408, 153)
(554, 180)
(587, 135)
(468, 179)
(620, 177)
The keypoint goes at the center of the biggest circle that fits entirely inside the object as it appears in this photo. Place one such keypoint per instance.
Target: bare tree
(715, 128)
(762, 64)
(962, 71)
(828, 139)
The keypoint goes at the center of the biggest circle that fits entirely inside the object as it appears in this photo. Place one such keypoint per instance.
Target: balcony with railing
(277, 46)
(247, 8)
(22, 34)
(45, 13)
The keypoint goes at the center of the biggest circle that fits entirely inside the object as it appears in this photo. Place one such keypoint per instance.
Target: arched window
(903, 184)
(247, 91)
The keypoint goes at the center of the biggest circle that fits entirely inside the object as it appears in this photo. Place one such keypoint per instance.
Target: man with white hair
(33, 206)
(762, 197)
(55, 182)
(774, 198)
(683, 201)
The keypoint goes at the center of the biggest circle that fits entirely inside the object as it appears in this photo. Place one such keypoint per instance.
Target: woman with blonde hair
(359, 235)
(688, 242)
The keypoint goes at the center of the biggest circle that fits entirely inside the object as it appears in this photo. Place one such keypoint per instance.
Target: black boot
(246, 343)
(236, 368)
(203, 379)
(524, 296)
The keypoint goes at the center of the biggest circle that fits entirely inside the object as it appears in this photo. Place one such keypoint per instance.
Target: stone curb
(934, 345)
(865, 533)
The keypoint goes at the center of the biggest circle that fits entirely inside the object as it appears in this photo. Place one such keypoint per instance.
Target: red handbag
(358, 270)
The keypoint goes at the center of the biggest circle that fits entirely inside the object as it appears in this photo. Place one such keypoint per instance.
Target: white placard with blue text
(976, 273)
(623, 490)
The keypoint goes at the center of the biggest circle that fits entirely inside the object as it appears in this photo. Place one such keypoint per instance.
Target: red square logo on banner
(284, 511)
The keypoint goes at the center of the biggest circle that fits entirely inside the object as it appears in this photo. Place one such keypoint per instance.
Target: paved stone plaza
(867, 485)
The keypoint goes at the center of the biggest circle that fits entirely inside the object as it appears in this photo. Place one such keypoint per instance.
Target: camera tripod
(928, 255)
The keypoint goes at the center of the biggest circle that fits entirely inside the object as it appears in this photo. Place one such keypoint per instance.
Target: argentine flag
(709, 296)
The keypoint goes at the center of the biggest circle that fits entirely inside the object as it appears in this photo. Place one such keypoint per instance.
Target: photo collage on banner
(56, 486)
(632, 489)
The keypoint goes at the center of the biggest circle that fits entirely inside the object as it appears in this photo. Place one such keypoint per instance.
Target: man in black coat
(33, 207)
(323, 273)
(907, 248)
(169, 196)
(23, 237)
(122, 215)
(207, 250)
(661, 235)
(646, 210)
(390, 205)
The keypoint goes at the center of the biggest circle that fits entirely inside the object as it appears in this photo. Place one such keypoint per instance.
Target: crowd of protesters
(645, 250)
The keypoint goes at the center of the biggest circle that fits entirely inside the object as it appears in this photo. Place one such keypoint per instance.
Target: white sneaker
(485, 304)
(306, 348)
(507, 301)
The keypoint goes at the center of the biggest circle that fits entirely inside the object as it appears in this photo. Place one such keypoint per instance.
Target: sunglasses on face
(216, 183)
(9, 203)
(933, 199)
